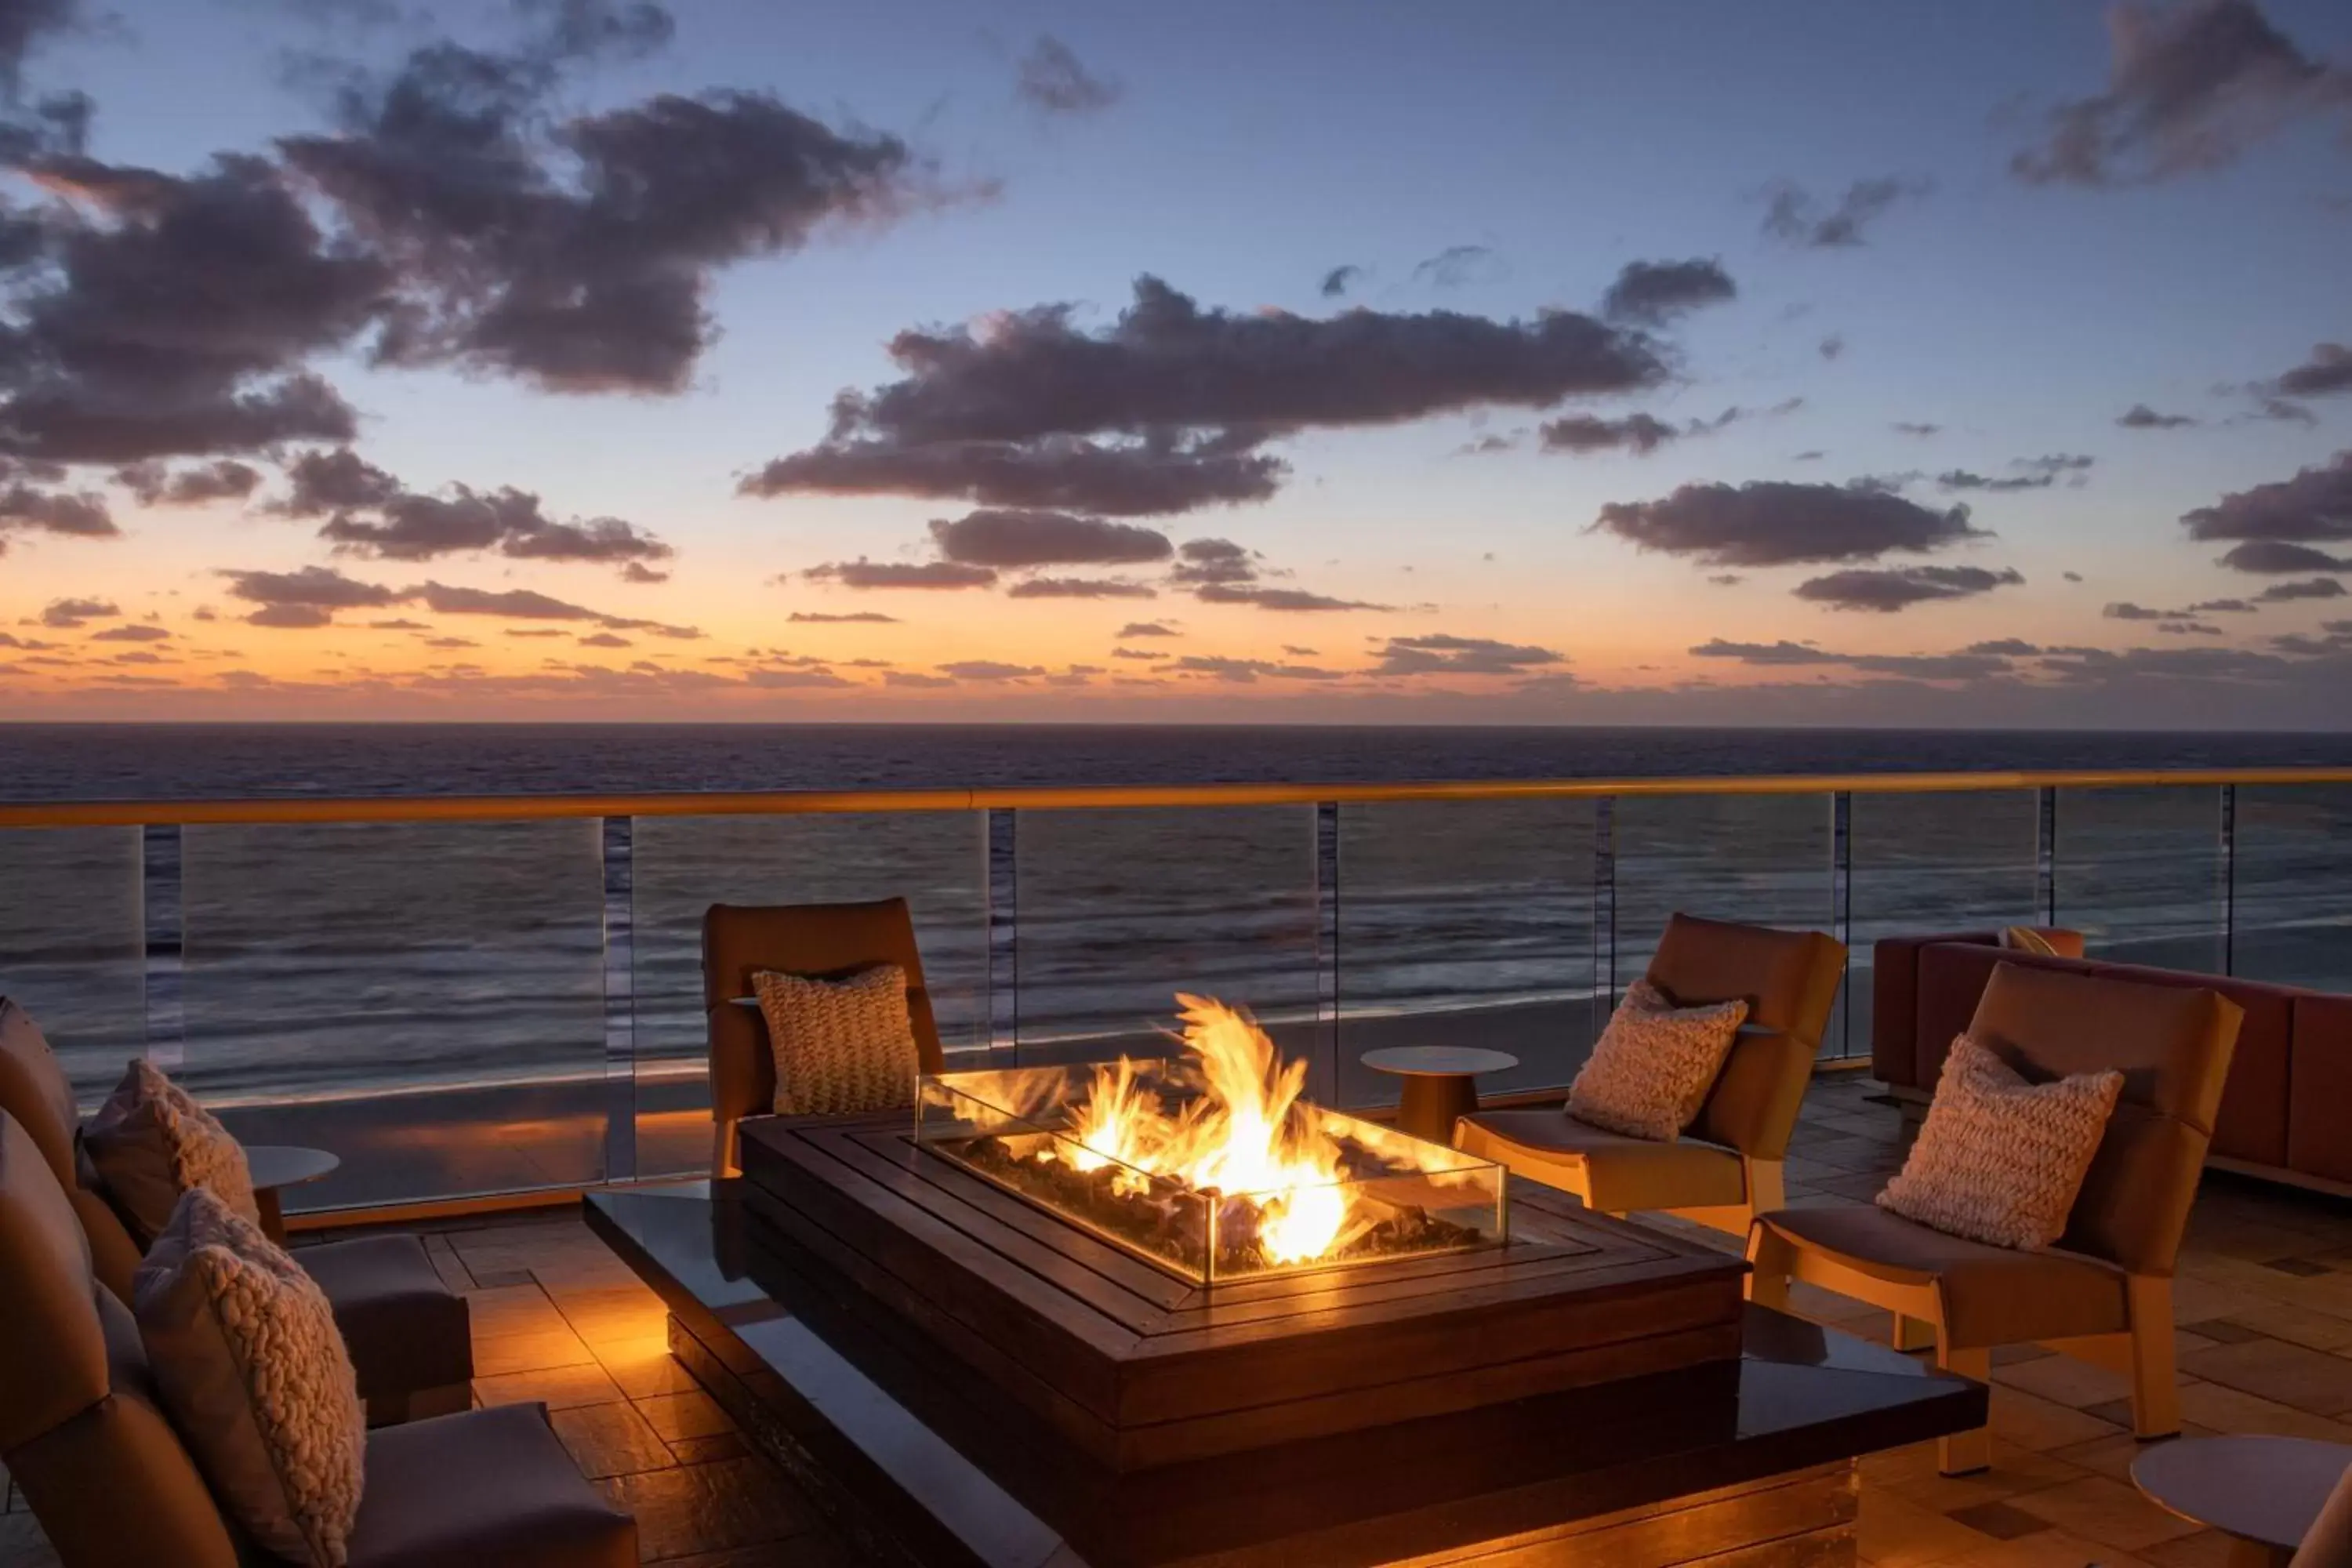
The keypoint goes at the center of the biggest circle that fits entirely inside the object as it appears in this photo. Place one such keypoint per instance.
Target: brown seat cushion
(1992, 1295)
(406, 1330)
(489, 1487)
(2319, 1112)
(1613, 1172)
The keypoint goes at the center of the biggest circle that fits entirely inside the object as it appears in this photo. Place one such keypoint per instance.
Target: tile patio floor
(2264, 1298)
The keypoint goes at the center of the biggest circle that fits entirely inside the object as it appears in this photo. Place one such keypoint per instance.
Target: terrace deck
(1139, 1369)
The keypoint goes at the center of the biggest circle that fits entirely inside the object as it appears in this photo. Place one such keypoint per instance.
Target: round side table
(2262, 1492)
(1440, 1084)
(276, 1166)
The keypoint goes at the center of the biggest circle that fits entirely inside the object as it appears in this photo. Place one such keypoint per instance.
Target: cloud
(1147, 629)
(2285, 592)
(2278, 410)
(2277, 555)
(1897, 588)
(136, 632)
(987, 669)
(1639, 433)
(307, 598)
(1246, 671)
(65, 615)
(1830, 347)
(1167, 408)
(23, 25)
(1340, 280)
(1013, 539)
(1775, 523)
(2327, 371)
(528, 604)
(2222, 608)
(26, 509)
(1148, 477)
(1914, 428)
(2035, 473)
(1289, 600)
(1456, 266)
(1655, 292)
(578, 255)
(2140, 416)
(1213, 561)
(2313, 508)
(1796, 216)
(858, 617)
(864, 574)
(913, 679)
(807, 679)
(1080, 588)
(2193, 87)
(1137, 653)
(172, 316)
(602, 639)
(370, 512)
(2012, 648)
(1776, 653)
(155, 484)
(1050, 79)
(1441, 653)
(2127, 611)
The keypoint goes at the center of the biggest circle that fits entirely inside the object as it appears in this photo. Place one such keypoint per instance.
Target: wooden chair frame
(2142, 1352)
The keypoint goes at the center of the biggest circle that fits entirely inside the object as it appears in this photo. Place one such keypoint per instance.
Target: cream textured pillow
(841, 1045)
(1653, 1065)
(151, 1143)
(1998, 1159)
(254, 1375)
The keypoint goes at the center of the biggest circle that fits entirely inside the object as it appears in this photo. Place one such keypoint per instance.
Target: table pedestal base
(1432, 1102)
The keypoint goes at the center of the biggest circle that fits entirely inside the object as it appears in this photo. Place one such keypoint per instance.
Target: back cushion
(34, 1089)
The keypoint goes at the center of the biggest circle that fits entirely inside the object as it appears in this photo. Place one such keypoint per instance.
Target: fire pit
(1171, 1260)
(1212, 1166)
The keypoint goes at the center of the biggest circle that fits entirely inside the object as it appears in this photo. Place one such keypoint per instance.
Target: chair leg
(1964, 1452)
(1767, 1270)
(1913, 1333)
(2156, 1389)
(1767, 1187)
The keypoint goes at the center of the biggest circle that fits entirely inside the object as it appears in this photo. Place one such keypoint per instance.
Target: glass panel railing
(1928, 863)
(72, 946)
(2292, 911)
(1465, 923)
(1119, 910)
(682, 865)
(424, 1000)
(2140, 873)
(1762, 859)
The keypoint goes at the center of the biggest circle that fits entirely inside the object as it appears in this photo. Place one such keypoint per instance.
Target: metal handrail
(789, 803)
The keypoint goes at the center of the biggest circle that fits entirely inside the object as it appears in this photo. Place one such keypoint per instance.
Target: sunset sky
(1515, 363)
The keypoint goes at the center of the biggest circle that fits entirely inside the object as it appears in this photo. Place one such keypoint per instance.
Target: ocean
(320, 963)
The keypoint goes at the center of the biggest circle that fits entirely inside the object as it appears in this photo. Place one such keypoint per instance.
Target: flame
(1248, 1136)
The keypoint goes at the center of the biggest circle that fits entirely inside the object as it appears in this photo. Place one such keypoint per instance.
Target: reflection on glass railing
(1465, 923)
(1761, 859)
(1119, 910)
(424, 999)
(683, 865)
(2140, 873)
(2292, 911)
(72, 946)
(1929, 863)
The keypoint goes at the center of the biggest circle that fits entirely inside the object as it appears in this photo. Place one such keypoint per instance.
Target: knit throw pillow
(150, 1142)
(1653, 1065)
(1998, 1159)
(841, 1045)
(253, 1372)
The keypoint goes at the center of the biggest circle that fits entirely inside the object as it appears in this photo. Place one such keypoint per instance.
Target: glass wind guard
(1381, 1196)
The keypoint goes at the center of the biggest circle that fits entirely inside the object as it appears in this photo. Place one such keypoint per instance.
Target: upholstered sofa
(2283, 1112)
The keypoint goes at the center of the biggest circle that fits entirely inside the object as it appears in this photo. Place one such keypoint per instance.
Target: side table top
(284, 1165)
(1437, 1061)
(2267, 1490)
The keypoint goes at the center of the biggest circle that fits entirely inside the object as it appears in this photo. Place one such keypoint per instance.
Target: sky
(1354, 362)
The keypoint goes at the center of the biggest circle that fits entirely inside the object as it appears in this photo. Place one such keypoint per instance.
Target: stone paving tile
(682, 1416)
(2289, 1374)
(711, 1507)
(559, 1387)
(2109, 1512)
(611, 1440)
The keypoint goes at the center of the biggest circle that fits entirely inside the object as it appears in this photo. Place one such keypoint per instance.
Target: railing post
(1842, 908)
(2228, 879)
(165, 942)
(2045, 856)
(1604, 914)
(1000, 849)
(1325, 1066)
(619, 848)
